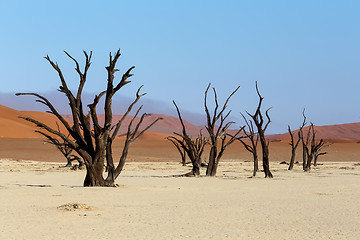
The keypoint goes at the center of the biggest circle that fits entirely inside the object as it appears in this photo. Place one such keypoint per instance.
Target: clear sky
(302, 53)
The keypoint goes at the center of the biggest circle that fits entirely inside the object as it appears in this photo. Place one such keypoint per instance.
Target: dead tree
(65, 150)
(193, 148)
(305, 140)
(180, 149)
(313, 150)
(254, 139)
(261, 128)
(319, 153)
(294, 144)
(217, 132)
(200, 143)
(92, 141)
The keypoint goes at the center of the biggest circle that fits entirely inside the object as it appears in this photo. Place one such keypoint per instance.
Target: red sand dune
(19, 141)
(167, 125)
(334, 133)
(11, 126)
(149, 136)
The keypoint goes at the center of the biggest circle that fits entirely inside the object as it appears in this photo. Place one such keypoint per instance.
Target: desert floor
(152, 204)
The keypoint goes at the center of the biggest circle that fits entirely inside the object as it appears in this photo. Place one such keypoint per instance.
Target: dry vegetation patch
(75, 207)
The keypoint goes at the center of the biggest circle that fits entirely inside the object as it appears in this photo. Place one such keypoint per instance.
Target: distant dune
(335, 133)
(153, 136)
(13, 127)
(168, 125)
(19, 141)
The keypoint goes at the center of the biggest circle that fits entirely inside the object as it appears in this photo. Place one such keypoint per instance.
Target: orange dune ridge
(19, 141)
(168, 124)
(342, 133)
(11, 126)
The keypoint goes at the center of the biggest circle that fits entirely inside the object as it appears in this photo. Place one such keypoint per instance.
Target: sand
(151, 204)
(41, 200)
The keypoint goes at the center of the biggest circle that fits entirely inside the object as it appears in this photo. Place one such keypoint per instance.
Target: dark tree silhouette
(313, 147)
(294, 144)
(261, 128)
(180, 149)
(305, 140)
(217, 132)
(318, 153)
(92, 141)
(65, 150)
(193, 148)
(250, 134)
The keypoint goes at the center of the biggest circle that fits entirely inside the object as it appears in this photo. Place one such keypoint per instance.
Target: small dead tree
(254, 139)
(313, 149)
(92, 141)
(65, 150)
(180, 149)
(217, 132)
(319, 153)
(294, 144)
(193, 148)
(261, 128)
(200, 143)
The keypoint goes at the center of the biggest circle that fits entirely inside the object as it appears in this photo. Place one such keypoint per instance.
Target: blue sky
(302, 53)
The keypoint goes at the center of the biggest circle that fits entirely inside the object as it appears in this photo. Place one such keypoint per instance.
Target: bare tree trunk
(256, 164)
(212, 165)
(305, 145)
(196, 169)
(315, 160)
(304, 156)
(94, 176)
(69, 162)
(265, 151)
(183, 158)
(292, 160)
(308, 163)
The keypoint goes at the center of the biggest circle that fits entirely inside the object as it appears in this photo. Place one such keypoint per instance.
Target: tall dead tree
(193, 148)
(217, 132)
(90, 139)
(261, 128)
(294, 144)
(305, 140)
